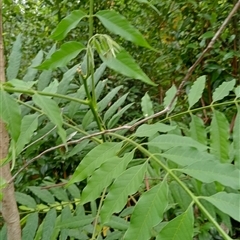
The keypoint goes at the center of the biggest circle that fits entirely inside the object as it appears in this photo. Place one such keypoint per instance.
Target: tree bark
(9, 206)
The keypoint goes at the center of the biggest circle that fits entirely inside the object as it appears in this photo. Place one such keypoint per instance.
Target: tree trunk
(9, 207)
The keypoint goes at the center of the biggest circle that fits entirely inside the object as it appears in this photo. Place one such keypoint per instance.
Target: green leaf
(114, 235)
(74, 191)
(115, 118)
(10, 114)
(224, 173)
(66, 80)
(52, 87)
(31, 226)
(67, 24)
(32, 71)
(25, 200)
(227, 203)
(118, 24)
(63, 56)
(124, 64)
(118, 223)
(49, 224)
(78, 148)
(56, 231)
(21, 84)
(39, 232)
(113, 108)
(107, 99)
(237, 92)
(185, 156)
(197, 129)
(28, 126)
(148, 212)
(236, 139)
(43, 194)
(46, 75)
(219, 135)
(180, 195)
(169, 96)
(180, 228)
(51, 109)
(167, 141)
(126, 184)
(223, 90)
(196, 91)
(60, 194)
(103, 177)
(75, 222)
(146, 130)
(147, 106)
(14, 60)
(94, 159)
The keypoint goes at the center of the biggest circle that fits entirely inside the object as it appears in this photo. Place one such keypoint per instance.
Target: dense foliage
(84, 165)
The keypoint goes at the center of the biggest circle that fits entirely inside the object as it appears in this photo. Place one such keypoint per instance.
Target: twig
(167, 109)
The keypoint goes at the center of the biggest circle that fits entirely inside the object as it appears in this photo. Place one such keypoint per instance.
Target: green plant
(172, 180)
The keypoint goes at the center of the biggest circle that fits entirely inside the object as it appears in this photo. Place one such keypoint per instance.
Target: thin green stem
(93, 107)
(200, 109)
(32, 92)
(170, 172)
(98, 214)
(91, 3)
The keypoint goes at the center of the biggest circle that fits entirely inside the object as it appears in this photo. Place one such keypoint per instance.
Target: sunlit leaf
(103, 176)
(219, 136)
(43, 194)
(28, 126)
(19, 84)
(147, 106)
(97, 156)
(227, 203)
(147, 130)
(186, 155)
(49, 224)
(118, 24)
(237, 92)
(10, 114)
(115, 118)
(32, 71)
(196, 91)
(124, 64)
(148, 212)
(31, 226)
(236, 139)
(63, 56)
(67, 24)
(197, 129)
(51, 109)
(75, 222)
(114, 107)
(180, 195)
(25, 200)
(169, 96)
(224, 173)
(180, 228)
(223, 90)
(118, 223)
(14, 60)
(108, 98)
(126, 184)
(167, 141)
(46, 75)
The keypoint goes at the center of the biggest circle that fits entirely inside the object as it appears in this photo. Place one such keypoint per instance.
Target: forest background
(69, 80)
